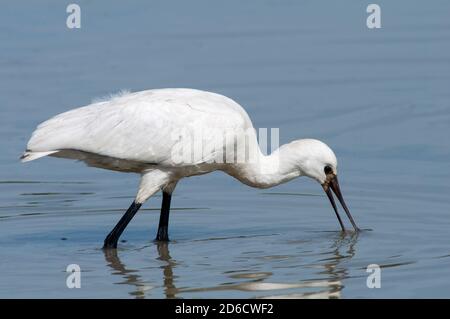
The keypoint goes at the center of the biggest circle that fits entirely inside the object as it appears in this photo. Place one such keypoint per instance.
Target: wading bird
(137, 132)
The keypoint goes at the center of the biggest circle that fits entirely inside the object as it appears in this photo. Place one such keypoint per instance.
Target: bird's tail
(30, 156)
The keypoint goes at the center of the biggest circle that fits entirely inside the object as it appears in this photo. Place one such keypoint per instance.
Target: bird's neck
(267, 170)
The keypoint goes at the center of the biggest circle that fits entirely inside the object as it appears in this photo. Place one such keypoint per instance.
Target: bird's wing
(145, 126)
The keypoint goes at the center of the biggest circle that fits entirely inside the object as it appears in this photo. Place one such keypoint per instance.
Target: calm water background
(380, 98)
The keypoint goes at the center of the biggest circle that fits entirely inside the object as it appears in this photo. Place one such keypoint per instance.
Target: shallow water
(380, 98)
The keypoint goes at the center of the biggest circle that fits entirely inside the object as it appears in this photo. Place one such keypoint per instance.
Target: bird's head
(316, 160)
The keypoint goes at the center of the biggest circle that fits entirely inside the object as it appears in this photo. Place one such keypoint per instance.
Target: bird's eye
(328, 170)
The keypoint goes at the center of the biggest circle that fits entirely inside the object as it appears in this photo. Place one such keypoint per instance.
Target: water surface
(380, 98)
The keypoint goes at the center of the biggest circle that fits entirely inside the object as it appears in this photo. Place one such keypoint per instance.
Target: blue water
(380, 98)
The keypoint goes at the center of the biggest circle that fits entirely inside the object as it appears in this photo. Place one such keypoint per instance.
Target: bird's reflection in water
(169, 287)
(131, 276)
(330, 265)
(332, 268)
(342, 249)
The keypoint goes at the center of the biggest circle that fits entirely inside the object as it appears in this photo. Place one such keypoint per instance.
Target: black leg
(113, 236)
(163, 228)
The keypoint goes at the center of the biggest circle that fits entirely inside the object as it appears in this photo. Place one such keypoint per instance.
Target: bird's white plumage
(138, 126)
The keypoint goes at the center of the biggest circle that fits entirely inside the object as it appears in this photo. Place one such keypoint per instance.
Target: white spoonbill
(138, 132)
